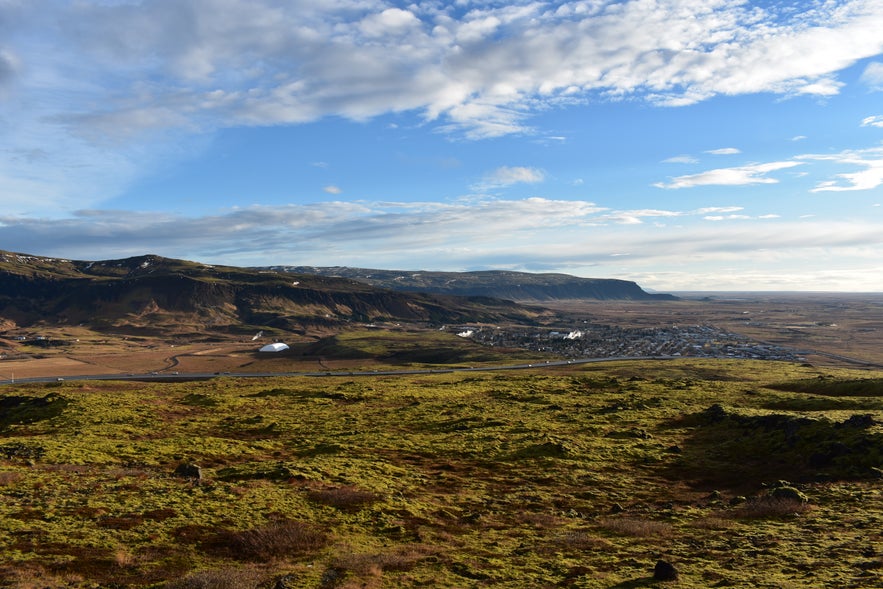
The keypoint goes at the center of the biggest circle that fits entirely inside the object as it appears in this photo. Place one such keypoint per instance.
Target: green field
(740, 473)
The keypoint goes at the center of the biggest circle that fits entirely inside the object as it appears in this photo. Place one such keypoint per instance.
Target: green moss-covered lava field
(736, 473)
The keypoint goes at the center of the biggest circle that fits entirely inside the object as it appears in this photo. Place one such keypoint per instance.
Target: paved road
(176, 376)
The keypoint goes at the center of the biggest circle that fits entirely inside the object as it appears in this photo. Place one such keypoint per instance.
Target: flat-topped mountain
(152, 294)
(501, 284)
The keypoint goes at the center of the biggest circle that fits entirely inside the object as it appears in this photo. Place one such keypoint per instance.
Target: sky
(682, 144)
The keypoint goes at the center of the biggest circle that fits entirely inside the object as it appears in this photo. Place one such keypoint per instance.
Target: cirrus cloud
(509, 175)
(738, 176)
(724, 151)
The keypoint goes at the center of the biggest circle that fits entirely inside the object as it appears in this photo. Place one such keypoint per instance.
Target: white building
(275, 347)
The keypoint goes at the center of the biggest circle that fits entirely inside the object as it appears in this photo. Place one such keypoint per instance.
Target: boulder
(188, 470)
(788, 494)
(665, 571)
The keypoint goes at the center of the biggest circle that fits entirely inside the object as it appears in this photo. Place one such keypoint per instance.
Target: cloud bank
(576, 236)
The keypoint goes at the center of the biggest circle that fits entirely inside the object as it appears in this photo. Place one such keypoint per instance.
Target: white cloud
(873, 75)
(874, 121)
(738, 176)
(331, 189)
(681, 159)
(708, 210)
(318, 229)
(869, 178)
(724, 151)
(509, 175)
(635, 217)
(392, 21)
(726, 217)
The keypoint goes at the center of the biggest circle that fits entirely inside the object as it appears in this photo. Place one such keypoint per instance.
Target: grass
(403, 347)
(576, 476)
(770, 507)
(638, 527)
(831, 387)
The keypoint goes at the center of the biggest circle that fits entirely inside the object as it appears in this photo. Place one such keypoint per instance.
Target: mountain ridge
(152, 294)
(502, 284)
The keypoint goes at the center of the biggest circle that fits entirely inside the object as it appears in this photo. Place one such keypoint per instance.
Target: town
(606, 341)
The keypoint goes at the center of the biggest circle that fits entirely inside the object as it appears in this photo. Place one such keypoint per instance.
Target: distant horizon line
(792, 291)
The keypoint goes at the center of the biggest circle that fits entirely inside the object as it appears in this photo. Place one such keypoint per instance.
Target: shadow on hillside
(20, 410)
(740, 452)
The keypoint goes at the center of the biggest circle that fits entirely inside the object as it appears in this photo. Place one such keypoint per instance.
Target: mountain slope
(515, 286)
(151, 294)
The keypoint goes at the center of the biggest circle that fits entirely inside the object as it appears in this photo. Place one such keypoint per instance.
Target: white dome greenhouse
(276, 347)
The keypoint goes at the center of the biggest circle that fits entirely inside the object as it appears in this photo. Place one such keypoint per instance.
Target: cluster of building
(606, 341)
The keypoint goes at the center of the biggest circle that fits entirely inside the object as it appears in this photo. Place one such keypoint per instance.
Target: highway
(181, 376)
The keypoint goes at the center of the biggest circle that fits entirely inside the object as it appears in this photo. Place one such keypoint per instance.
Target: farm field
(738, 473)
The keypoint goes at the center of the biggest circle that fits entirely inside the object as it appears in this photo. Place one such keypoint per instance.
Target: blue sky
(683, 144)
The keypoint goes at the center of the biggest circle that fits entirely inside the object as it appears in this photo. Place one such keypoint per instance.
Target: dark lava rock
(789, 494)
(862, 421)
(715, 413)
(189, 471)
(665, 571)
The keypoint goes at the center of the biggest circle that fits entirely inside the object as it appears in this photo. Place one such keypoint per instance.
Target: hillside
(501, 284)
(736, 473)
(151, 295)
